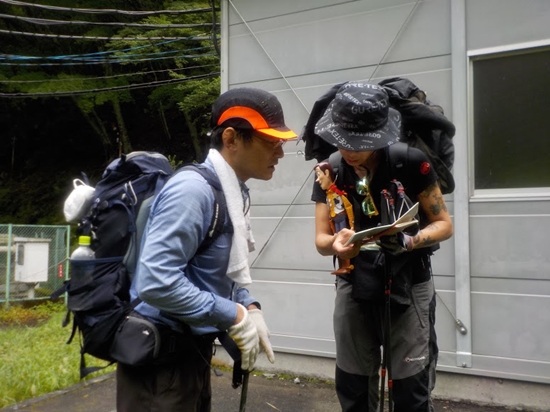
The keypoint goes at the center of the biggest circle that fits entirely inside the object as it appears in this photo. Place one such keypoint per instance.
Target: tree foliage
(73, 104)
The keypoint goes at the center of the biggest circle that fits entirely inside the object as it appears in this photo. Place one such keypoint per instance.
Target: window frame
(507, 194)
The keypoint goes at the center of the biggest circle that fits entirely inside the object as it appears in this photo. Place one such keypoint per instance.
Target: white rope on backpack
(129, 189)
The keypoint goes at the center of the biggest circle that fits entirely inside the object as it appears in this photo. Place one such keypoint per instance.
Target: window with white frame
(511, 96)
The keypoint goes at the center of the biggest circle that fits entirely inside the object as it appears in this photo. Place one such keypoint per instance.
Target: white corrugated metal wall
(297, 50)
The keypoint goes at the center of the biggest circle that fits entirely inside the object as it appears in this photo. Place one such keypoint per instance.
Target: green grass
(34, 359)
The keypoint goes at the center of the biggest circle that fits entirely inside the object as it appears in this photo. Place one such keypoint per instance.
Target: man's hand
(245, 335)
(396, 244)
(258, 318)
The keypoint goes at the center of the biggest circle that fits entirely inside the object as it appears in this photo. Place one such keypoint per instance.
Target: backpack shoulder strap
(335, 159)
(397, 156)
(216, 227)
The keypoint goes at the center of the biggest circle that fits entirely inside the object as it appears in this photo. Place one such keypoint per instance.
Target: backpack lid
(139, 162)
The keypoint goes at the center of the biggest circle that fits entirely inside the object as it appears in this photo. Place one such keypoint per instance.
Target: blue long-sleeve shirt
(170, 279)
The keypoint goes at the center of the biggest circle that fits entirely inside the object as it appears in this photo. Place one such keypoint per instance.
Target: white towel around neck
(243, 242)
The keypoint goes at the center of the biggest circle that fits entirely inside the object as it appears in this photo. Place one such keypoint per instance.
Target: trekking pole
(386, 344)
(382, 380)
(244, 391)
(387, 335)
(240, 377)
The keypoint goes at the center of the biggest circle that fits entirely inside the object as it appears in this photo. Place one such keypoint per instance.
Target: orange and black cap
(251, 108)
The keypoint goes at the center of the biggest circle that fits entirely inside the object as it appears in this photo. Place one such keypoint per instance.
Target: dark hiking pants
(359, 332)
(183, 384)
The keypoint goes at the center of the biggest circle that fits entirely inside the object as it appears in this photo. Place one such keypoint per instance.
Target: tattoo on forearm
(428, 241)
(431, 226)
(436, 199)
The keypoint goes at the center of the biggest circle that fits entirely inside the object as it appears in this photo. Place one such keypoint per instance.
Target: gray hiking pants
(359, 331)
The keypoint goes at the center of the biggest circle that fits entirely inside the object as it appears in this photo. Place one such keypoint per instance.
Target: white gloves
(246, 337)
(258, 318)
(249, 334)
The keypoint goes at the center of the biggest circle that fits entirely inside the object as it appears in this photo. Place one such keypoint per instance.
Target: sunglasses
(273, 143)
(368, 206)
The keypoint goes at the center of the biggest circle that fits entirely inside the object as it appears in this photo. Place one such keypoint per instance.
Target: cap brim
(279, 133)
(238, 114)
(359, 141)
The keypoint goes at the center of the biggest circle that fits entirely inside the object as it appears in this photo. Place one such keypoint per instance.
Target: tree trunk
(164, 122)
(194, 135)
(95, 122)
(125, 140)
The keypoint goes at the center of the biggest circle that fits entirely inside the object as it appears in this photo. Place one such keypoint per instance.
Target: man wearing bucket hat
(363, 127)
(198, 293)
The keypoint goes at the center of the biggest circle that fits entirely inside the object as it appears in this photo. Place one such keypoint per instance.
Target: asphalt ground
(266, 393)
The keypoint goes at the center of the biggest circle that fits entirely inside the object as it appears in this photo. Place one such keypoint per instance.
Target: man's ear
(229, 137)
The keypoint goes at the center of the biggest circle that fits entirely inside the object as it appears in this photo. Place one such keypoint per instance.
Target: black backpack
(98, 291)
(424, 126)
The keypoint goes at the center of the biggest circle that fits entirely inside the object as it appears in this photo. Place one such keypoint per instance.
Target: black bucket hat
(360, 118)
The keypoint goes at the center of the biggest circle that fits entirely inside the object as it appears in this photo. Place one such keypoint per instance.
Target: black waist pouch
(367, 277)
(138, 341)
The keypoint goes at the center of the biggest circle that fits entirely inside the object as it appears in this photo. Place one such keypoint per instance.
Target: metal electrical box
(31, 260)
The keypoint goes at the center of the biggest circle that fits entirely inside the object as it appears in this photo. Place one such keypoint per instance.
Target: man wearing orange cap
(195, 292)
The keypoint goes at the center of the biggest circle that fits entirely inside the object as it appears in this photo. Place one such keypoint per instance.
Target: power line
(107, 89)
(106, 11)
(49, 22)
(66, 36)
(112, 61)
(95, 57)
(106, 52)
(108, 77)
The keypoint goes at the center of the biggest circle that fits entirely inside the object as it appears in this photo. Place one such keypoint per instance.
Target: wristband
(409, 245)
